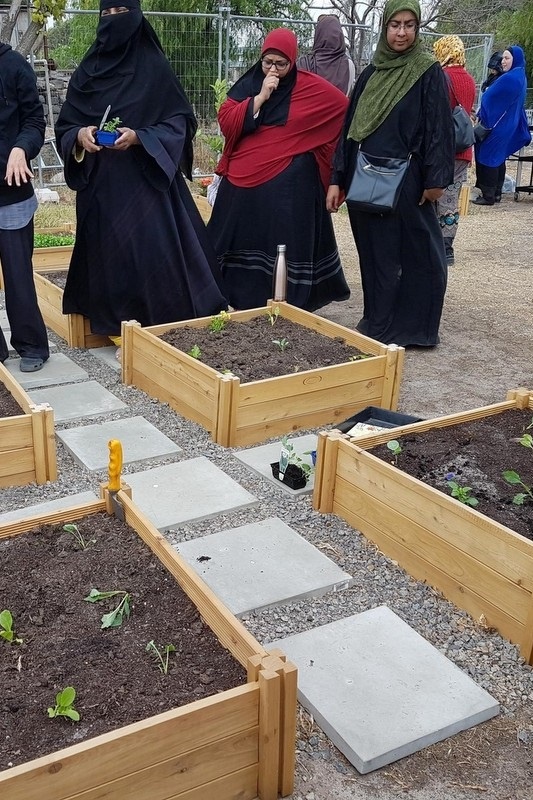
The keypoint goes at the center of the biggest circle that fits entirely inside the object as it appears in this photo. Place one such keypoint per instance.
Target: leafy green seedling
(281, 343)
(52, 239)
(195, 351)
(6, 627)
(527, 440)
(64, 706)
(161, 654)
(291, 457)
(114, 618)
(462, 493)
(219, 322)
(273, 315)
(75, 531)
(112, 124)
(359, 357)
(395, 447)
(514, 479)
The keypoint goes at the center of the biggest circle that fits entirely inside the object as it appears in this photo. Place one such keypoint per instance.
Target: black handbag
(376, 183)
(462, 124)
(464, 130)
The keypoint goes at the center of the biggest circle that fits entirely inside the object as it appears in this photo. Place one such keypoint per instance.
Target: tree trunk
(29, 38)
(6, 30)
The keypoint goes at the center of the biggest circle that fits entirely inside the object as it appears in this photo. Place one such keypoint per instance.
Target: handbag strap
(450, 86)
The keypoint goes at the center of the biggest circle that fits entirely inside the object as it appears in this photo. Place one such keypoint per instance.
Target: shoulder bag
(462, 124)
(376, 183)
(481, 131)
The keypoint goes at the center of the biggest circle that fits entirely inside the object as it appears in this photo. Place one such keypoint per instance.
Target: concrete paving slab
(379, 690)
(188, 490)
(107, 355)
(253, 566)
(49, 506)
(140, 441)
(260, 458)
(78, 400)
(57, 370)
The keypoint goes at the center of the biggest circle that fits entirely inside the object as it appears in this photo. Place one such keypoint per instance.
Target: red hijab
(304, 114)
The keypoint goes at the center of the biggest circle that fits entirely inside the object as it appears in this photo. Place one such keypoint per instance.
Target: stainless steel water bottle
(279, 280)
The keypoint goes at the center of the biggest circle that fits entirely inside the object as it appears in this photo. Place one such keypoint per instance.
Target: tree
(43, 10)
(517, 28)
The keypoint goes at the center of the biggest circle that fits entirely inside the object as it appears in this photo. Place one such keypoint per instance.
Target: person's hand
(333, 199)
(270, 83)
(127, 139)
(431, 195)
(17, 168)
(85, 139)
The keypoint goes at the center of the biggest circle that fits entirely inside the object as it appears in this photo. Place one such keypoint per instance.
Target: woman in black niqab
(141, 250)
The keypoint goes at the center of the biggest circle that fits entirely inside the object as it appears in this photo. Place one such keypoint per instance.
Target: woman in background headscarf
(450, 52)
(329, 58)
(141, 248)
(502, 110)
(281, 127)
(494, 70)
(399, 106)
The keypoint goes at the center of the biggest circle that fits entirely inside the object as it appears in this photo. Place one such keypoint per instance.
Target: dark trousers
(28, 332)
(490, 181)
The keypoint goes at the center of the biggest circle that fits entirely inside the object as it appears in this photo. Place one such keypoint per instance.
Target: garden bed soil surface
(247, 348)
(474, 454)
(44, 578)
(58, 278)
(8, 405)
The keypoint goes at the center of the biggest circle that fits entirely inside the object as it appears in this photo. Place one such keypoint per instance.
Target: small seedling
(462, 493)
(64, 706)
(395, 447)
(527, 439)
(6, 627)
(219, 322)
(359, 357)
(195, 351)
(114, 618)
(161, 654)
(514, 479)
(112, 124)
(75, 531)
(273, 315)
(289, 456)
(281, 343)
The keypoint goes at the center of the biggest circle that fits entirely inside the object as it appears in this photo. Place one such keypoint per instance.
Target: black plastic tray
(373, 415)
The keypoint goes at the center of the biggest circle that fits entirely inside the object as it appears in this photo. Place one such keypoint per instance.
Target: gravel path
(487, 331)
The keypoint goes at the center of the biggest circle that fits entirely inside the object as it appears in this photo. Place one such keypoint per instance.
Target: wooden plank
(269, 734)
(462, 563)
(52, 257)
(240, 785)
(8, 529)
(289, 693)
(479, 608)
(15, 433)
(326, 471)
(184, 771)
(112, 756)
(15, 390)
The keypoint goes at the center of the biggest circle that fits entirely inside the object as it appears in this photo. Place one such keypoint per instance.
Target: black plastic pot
(382, 417)
(294, 478)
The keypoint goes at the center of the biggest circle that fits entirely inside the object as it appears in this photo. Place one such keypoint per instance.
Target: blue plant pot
(106, 138)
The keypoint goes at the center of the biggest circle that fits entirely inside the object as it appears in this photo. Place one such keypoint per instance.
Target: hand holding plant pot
(109, 133)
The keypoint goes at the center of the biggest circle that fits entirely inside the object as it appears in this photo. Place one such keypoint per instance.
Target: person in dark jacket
(494, 70)
(22, 135)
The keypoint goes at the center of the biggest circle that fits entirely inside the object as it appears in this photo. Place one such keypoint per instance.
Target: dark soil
(247, 349)
(58, 278)
(476, 453)
(44, 578)
(8, 405)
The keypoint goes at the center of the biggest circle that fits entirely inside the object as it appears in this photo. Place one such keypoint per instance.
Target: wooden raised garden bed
(240, 414)
(239, 743)
(480, 565)
(27, 441)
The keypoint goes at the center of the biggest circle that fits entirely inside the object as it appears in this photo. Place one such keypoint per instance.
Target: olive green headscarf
(395, 74)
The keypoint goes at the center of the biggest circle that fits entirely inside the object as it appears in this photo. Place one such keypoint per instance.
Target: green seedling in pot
(75, 531)
(6, 628)
(161, 654)
(112, 124)
(288, 455)
(114, 618)
(64, 706)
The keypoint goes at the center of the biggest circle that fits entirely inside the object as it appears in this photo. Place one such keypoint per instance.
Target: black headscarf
(126, 68)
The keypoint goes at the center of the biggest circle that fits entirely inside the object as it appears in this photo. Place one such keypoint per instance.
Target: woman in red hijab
(281, 127)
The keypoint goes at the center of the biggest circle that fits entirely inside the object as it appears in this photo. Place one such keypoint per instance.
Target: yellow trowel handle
(115, 464)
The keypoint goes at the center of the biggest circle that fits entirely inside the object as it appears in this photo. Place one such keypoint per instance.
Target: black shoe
(498, 198)
(480, 201)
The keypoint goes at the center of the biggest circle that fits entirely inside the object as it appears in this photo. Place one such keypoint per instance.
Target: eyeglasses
(410, 26)
(268, 64)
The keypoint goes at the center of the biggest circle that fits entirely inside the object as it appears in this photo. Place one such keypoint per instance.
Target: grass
(52, 215)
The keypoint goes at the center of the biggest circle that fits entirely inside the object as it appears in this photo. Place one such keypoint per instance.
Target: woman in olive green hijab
(400, 107)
